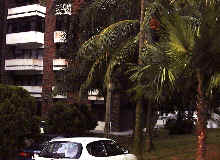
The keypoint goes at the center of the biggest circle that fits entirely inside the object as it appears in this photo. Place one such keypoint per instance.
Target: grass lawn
(178, 147)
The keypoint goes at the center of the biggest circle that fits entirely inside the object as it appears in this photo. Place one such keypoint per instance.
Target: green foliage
(18, 119)
(185, 126)
(97, 28)
(69, 119)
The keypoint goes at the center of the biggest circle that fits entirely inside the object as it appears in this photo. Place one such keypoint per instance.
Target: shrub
(18, 120)
(69, 119)
(180, 126)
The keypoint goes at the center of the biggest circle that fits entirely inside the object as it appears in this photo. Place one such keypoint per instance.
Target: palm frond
(128, 52)
(214, 82)
(109, 39)
(96, 66)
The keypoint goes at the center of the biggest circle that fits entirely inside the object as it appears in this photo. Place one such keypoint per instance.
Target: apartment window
(34, 80)
(27, 53)
(33, 23)
(14, 28)
(19, 54)
(24, 2)
(9, 28)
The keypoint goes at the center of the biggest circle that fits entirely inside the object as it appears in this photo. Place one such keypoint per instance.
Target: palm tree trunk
(115, 110)
(149, 136)
(202, 120)
(49, 55)
(108, 109)
(138, 135)
(137, 146)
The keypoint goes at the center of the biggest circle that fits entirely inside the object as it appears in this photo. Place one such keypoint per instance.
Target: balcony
(32, 64)
(59, 36)
(31, 39)
(59, 64)
(93, 96)
(36, 91)
(23, 64)
(26, 11)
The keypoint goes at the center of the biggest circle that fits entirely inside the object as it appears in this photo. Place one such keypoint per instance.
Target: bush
(18, 120)
(180, 126)
(69, 119)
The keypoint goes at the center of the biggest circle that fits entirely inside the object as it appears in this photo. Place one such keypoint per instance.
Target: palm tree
(139, 105)
(190, 42)
(90, 14)
(204, 62)
(101, 52)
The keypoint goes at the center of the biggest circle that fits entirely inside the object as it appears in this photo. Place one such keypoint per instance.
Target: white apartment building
(25, 46)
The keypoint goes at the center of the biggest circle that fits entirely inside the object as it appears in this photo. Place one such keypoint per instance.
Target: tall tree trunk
(115, 110)
(108, 108)
(73, 95)
(201, 107)
(137, 146)
(149, 128)
(49, 55)
(3, 31)
(138, 135)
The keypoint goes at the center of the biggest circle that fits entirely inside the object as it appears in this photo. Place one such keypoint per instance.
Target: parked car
(84, 148)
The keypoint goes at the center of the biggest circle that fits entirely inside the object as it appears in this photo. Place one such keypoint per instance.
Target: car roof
(83, 140)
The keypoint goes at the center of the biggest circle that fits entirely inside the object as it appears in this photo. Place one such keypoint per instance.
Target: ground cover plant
(177, 147)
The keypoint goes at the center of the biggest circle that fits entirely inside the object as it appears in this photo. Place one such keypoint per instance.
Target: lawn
(178, 147)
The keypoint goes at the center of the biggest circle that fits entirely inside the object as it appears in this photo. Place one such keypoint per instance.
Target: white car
(84, 148)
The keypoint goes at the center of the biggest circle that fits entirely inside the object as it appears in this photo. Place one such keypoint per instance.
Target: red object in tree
(154, 24)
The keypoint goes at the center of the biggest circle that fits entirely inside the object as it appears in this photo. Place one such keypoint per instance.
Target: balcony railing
(36, 91)
(59, 36)
(24, 64)
(26, 38)
(25, 11)
(59, 64)
(33, 39)
(32, 64)
(92, 95)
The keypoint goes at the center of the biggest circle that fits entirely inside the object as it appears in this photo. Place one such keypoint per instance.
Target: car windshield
(60, 149)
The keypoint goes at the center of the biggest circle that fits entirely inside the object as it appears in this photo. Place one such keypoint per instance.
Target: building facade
(24, 61)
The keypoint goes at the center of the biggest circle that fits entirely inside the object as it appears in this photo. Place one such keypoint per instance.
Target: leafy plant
(69, 119)
(18, 120)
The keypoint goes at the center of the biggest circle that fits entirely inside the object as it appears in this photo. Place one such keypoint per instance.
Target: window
(113, 148)
(62, 150)
(97, 149)
(105, 148)
(25, 24)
